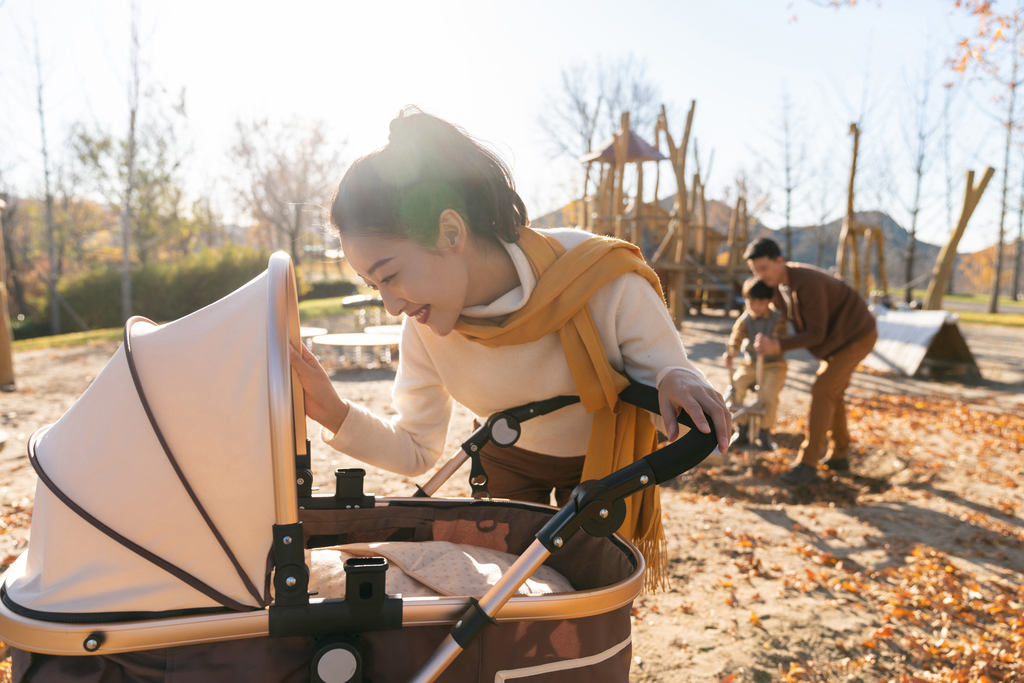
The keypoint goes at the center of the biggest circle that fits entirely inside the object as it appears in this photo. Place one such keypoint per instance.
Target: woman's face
(428, 286)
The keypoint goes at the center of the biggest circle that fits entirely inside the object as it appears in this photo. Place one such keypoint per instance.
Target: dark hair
(427, 167)
(757, 289)
(762, 247)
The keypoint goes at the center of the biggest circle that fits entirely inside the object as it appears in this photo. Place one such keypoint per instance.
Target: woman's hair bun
(398, 128)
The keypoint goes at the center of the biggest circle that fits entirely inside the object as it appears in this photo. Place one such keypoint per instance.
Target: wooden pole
(944, 264)
(848, 228)
(6, 334)
(733, 240)
(621, 150)
(679, 226)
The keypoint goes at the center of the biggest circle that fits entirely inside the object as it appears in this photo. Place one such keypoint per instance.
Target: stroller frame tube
(481, 613)
(283, 428)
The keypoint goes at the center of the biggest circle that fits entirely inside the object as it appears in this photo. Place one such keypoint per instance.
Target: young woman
(499, 315)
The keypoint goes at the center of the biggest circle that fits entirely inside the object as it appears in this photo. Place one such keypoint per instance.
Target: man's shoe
(837, 464)
(800, 474)
(764, 438)
(740, 438)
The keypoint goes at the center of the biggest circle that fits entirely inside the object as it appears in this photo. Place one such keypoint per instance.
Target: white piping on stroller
(566, 665)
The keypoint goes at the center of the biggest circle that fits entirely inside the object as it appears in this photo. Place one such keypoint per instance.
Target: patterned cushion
(428, 569)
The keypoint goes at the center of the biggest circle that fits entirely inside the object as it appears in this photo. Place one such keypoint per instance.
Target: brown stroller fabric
(594, 647)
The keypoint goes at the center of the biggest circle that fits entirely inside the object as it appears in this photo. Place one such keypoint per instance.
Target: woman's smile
(421, 314)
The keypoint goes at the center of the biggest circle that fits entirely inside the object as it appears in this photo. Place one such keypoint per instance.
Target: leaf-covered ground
(907, 569)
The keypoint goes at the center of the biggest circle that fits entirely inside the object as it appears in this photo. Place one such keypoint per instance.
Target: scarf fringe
(655, 552)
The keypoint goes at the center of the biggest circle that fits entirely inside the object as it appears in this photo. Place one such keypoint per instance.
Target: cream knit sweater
(635, 327)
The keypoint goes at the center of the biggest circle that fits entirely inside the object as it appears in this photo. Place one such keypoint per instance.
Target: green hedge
(165, 291)
(160, 291)
(329, 289)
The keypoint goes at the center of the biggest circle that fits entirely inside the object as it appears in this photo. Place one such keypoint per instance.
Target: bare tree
(14, 247)
(1017, 256)
(283, 172)
(826, 202)
(1012, 84)
(129, 166)
(996, 45)
(793, 156)
(51, 244)
(590, 104)
(919, 132)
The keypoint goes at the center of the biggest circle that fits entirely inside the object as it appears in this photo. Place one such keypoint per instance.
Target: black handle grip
(684, 453)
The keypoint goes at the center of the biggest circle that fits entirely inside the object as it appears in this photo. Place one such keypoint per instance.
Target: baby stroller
(174, 506)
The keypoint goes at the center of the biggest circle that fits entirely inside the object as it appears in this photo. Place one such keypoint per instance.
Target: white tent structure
(154, 452)
(921, 342)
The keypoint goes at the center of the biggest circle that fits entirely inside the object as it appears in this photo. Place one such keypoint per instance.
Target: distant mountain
(817, 244)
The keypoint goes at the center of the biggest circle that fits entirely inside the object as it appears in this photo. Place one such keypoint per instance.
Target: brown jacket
(827, 313)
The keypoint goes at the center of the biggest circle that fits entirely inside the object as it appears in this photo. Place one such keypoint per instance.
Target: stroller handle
(597, 507)
(682, 454)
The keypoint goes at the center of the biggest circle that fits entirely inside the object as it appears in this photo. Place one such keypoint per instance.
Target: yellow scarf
(621, 434)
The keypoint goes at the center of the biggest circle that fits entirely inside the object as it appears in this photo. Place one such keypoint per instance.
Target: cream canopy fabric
(207, 379)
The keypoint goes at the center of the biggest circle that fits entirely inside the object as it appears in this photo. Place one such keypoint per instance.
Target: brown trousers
(828, 409)
(518, 474)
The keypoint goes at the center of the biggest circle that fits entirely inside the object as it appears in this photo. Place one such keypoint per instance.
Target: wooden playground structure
(701, 266)
(678, 242)
(850, 265)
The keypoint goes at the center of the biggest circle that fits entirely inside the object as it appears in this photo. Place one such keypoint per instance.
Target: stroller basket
(143, 562)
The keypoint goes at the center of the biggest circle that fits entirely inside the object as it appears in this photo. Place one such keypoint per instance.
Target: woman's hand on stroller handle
(322, 402)
(682, 390)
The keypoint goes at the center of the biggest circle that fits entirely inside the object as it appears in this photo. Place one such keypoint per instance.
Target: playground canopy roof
(638, 150)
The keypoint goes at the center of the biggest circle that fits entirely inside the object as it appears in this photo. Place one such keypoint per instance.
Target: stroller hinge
(291, 575)
(597, 507)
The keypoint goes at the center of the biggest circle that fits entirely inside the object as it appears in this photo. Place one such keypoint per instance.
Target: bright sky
(492, 66)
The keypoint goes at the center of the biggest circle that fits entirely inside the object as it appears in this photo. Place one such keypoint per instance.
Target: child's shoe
(764, 439)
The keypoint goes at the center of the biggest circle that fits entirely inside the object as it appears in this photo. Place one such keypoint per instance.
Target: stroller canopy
(157, 488)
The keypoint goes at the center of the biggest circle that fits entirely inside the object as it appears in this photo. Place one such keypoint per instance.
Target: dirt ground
(910, 568)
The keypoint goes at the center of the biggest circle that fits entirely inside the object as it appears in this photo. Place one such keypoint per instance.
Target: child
(498, 315)
(759, 318)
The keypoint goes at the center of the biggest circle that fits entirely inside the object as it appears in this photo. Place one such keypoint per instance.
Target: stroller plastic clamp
(348, 489)
(471, 625)
(304, 473)
(366, 607)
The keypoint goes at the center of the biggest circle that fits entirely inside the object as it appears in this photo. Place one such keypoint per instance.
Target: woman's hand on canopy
(683, 390)
(322, 402)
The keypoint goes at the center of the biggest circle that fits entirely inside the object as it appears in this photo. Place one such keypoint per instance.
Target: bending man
(833, 322)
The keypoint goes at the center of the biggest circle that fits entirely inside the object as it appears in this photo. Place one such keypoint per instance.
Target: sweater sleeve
(413, 441)
(813, 307)
(645, 335)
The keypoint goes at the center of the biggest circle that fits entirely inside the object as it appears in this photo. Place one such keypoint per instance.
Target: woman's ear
(452, 233)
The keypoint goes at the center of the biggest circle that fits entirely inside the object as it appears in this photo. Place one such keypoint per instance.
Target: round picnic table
(383, 329)
(307, 332)
(351, 345)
